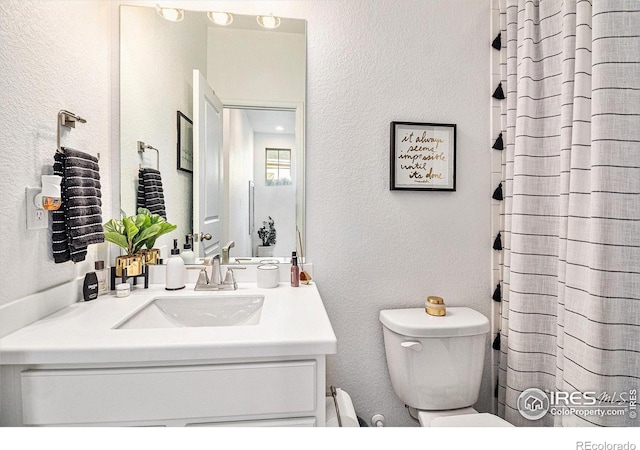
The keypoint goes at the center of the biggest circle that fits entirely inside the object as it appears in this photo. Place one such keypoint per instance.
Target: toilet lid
(415, 322)
(470, 420)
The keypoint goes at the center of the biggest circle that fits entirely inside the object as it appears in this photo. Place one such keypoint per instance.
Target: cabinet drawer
(160, 393)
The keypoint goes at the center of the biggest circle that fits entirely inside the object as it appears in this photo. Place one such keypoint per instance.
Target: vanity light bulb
(220, 18)
(172, 14)
(269, 21)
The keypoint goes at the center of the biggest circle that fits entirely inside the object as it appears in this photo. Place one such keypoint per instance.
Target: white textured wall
(53, 55)
(372, 248)
(156, 81)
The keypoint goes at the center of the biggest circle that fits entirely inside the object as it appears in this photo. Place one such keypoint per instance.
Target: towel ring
(67, 119)
(142, 147)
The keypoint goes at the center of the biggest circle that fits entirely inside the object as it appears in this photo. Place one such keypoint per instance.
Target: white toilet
(436, 362)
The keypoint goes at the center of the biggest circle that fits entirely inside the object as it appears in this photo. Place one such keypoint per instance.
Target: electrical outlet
(36, 218)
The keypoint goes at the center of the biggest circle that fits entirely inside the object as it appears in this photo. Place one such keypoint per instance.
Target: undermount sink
(209, 311)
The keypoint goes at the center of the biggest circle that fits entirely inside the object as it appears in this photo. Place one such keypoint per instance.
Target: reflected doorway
(259, 148)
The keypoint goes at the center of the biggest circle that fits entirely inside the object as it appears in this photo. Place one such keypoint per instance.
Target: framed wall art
(185, 143)
(423, 156)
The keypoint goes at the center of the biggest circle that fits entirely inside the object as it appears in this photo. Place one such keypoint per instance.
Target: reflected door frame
(299, 109)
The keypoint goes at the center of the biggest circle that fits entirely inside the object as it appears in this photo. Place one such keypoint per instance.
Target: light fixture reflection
(220, 18)
(279, 128)
(269, 21)
(172, 14)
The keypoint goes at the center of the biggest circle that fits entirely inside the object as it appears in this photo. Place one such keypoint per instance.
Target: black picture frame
(423, 156)
(185, 143)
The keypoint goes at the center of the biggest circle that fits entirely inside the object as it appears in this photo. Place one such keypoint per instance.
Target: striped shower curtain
(571, 224)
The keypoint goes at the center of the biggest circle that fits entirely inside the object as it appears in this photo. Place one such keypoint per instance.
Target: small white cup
(123, 290)
(268, 276)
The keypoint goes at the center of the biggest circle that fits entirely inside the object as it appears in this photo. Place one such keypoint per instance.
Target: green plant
(135, 232)
(267, 233)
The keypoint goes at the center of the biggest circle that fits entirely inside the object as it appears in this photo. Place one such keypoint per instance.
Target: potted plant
(267, 234)
(134, 233)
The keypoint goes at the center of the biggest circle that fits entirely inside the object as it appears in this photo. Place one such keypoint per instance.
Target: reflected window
(278, 167)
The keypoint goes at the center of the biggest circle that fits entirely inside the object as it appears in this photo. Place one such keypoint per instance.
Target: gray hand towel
(150, 192)
(78, 223)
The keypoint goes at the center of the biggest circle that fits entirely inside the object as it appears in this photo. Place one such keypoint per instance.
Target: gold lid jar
(435, 306)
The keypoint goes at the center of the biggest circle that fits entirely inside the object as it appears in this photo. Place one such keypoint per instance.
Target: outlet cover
(36, 218)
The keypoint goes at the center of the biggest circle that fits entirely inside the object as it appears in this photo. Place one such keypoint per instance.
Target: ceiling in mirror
(269, 121)
(251, 70)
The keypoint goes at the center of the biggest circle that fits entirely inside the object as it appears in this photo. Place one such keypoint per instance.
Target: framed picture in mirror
(185, 143)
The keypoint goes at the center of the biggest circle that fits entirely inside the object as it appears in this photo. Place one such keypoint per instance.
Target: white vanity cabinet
(286, 392)
(79, 367)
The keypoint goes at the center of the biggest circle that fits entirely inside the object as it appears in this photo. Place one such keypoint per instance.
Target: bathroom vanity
(253, 357)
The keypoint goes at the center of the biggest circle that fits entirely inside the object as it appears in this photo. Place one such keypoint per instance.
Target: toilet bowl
(436, 363)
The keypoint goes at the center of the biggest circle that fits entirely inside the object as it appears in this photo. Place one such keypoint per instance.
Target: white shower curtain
(571, 231)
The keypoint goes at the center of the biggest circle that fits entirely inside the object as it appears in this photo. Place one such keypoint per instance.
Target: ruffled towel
(150, 192)
(78, 223)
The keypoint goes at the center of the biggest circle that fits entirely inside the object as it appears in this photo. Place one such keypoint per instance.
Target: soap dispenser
(175, 269)
(187, 253)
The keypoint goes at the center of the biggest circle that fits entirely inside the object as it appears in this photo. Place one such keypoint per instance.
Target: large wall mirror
(227, 167)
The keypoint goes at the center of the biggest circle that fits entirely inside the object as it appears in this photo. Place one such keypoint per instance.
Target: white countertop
(293, 322)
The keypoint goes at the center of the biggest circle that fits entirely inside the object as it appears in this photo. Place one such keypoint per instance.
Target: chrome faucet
(225, 252)
(215, 282)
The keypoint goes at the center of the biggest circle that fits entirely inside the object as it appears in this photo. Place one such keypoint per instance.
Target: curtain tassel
(497, 194)
(496, 342)
(499, 144)
(497, 244)
(499, 93)
(497, 42)
(497, 294)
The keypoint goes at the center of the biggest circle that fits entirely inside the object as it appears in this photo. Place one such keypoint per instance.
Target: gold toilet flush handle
(435, 306)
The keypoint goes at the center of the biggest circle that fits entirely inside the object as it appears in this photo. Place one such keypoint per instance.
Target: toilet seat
(470, 420)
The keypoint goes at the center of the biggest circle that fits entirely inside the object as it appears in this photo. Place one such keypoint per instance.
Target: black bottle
(90, 287)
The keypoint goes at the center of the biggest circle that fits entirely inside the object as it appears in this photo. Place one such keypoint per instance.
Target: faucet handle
(203, 276)
(230, 279)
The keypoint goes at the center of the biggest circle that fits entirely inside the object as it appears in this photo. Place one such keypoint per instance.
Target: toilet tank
(435, 362)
